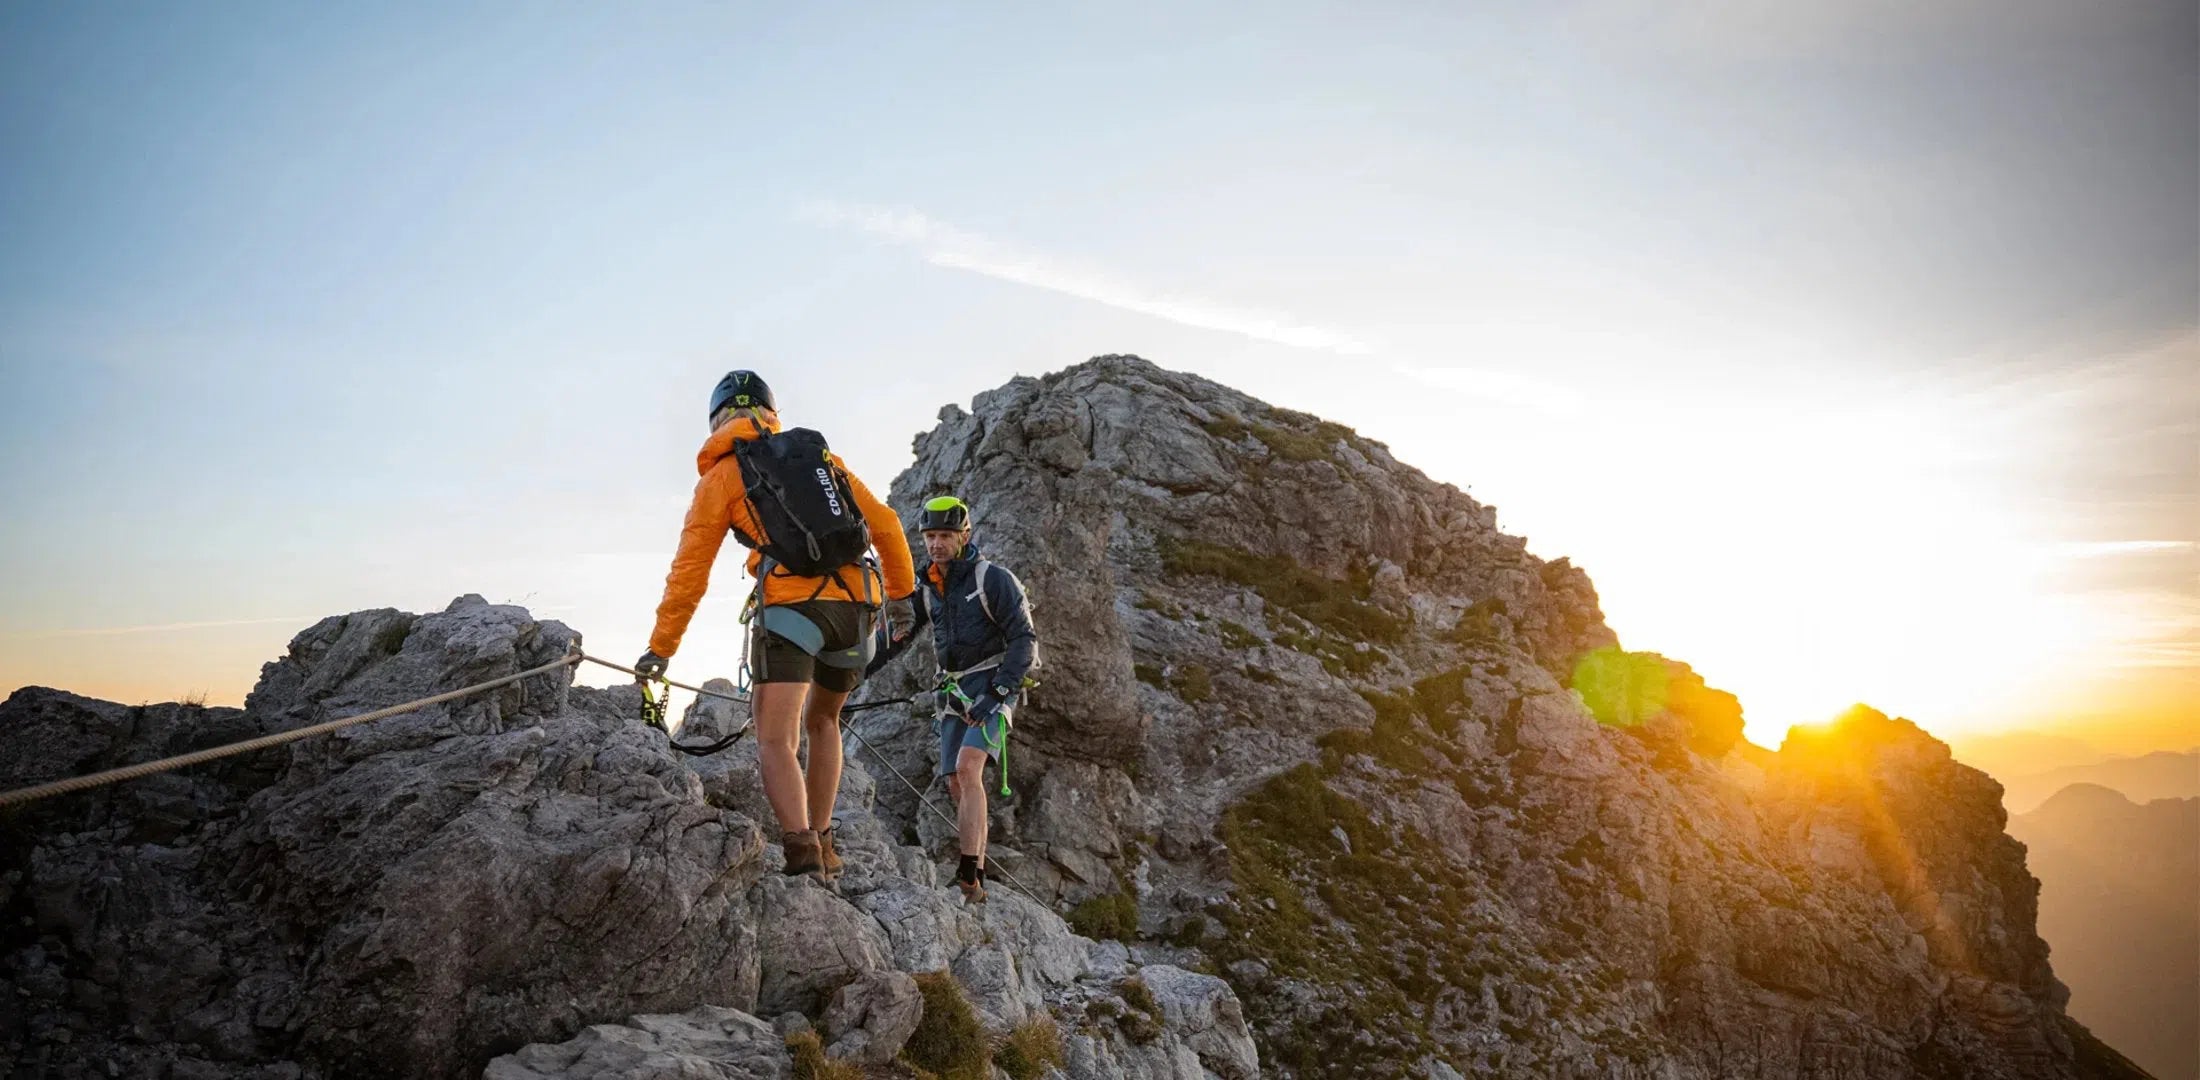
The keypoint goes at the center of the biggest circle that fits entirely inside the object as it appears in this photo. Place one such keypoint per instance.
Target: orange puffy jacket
(722, 503)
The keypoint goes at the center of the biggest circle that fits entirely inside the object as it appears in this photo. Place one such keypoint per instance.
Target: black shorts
(775, 659)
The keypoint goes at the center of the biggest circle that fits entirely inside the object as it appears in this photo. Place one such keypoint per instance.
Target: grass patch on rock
(1143, 1022)
(1192, 684)
(1114, 916)
(1236, 636)
(810, 1062)
(1029, 1050)
(1337, 608)
(948, 1042)
(1380, 923)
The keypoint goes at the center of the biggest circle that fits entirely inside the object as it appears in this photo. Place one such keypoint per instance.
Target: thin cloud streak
(2111, 548)
(1498, 386)
(945, 245)
(159, 628)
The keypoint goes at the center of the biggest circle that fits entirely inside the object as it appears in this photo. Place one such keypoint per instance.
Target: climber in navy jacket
(985, 646)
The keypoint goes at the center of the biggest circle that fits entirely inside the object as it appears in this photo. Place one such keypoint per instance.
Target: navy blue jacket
(963, 636)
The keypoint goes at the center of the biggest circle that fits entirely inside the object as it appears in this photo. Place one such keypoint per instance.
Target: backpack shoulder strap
(985, 603)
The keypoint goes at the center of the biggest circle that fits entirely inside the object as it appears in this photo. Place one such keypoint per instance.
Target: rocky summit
(1326, 776)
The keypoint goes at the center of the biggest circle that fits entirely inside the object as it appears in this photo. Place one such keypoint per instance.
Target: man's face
(943, 544)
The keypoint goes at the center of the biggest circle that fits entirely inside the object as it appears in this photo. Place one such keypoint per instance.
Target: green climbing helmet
(946, 513)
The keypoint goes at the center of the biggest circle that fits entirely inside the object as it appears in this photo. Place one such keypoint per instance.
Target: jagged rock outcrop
(1309, 761)
(1313, 713)
(516, 873)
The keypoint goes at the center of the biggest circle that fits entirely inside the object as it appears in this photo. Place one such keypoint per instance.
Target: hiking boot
(801, 848)
(970, 878)
(829, 864)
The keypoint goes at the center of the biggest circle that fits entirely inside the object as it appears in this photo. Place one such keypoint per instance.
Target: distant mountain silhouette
(2120, 909)
(2160, 775)
(2023, 753)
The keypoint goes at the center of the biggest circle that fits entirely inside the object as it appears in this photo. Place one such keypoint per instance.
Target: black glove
(901, 618)
(650, 666)
(983, 707)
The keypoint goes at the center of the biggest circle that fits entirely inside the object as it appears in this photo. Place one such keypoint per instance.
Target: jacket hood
(720, 443)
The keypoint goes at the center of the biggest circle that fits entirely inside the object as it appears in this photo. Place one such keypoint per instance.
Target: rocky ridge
(1316, 769)
(528, 882)
(1311, 720)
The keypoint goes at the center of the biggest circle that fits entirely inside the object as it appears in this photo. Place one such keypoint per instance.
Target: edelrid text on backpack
(802, 499)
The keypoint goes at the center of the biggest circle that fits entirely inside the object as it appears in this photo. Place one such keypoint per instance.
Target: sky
(1852, 347)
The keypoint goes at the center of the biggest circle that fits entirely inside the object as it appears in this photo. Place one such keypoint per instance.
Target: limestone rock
(871, 1019)
(706, 1043)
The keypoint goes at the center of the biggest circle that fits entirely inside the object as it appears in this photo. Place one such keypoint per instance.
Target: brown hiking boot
(801, 848)
(972, 886)
(829, 864)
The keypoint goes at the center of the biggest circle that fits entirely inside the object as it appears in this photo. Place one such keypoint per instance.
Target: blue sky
(1846, 345)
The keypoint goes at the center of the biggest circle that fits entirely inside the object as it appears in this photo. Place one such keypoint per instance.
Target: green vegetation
(948, 1042)
(1030, 1050)
(1393, 741)
(1281, 838)
(1405, 735)
(1293, 445)
(810, 1062)
(1299, 437)
(1102, 917)
(1337, 608)
(1442, 699)
(1190, 935)
(1136, 994)
(1143, 1022)
(1237, 636)
(1192, 683)
(1330, 620)
(1387, 919)
(1148, 674)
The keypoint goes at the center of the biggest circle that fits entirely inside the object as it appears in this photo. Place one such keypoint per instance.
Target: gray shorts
(955, 734)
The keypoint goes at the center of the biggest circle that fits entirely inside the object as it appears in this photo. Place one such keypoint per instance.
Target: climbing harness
(951, 695)
(800, 630)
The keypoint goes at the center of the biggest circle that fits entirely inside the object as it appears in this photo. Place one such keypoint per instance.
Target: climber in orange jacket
(807, 521)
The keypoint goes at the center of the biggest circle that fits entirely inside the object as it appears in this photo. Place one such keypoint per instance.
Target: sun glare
(1807, 552)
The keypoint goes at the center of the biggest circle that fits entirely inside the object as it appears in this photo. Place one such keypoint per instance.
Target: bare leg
(778, 711)
(821, 718)
(970, 806)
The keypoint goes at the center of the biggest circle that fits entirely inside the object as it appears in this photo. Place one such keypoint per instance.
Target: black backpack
(802, 498)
